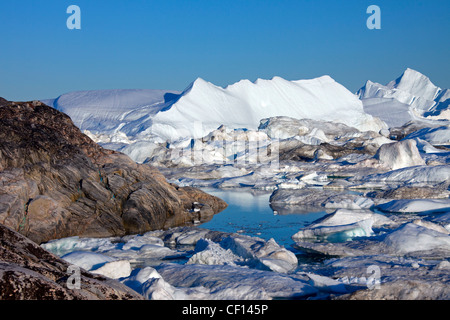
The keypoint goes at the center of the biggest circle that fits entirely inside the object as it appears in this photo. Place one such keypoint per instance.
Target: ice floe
(211, 253)
(343, 225)
(416, 205)
(229, 282)
(415, 238)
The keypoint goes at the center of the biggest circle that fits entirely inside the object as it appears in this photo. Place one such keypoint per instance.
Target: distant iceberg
(412, 96)
(126, 116)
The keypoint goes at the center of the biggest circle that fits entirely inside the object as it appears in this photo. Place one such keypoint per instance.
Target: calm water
(249, 213)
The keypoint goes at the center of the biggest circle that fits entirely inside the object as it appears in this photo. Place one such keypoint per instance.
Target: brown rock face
(56, 182)
(28, 272)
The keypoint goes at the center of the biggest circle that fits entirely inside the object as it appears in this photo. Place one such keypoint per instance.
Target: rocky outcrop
(56, 182)
(28, 272)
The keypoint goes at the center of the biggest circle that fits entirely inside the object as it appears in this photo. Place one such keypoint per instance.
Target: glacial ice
(70, 244)
(132, 120)
(314, 157)
(114, 269)
(434, 136)
(400, 154)
(342, 225)
(412, 238)
(87, 260)
(415, 205)
(417, 174)
(233, 266)
(261, 254)
(327, 284)
(211, 253)
(243, 104)
(415, 239)
(412, 96)
(229, 282)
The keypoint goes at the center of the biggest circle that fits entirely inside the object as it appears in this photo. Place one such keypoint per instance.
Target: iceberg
(128, 116)
(413, 238)
(400, 154)
(415, 205)
(114, 269)
(435, 136)
(419, 238)
(109, 112)
(238, 283)
(243, 104)
(261, 254)
(411, 97)
(87, 260)
(416, 174)
(211, 253)
(342, 225)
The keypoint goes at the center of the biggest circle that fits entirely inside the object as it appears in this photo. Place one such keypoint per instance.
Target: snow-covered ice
(130, 120)
(317, 148)
(400, 154)
(434, 136)
(416, 174)
(343, 225)
(237, 283)
(413, 237)
(415, 205)
(87, 260)
(412, 96)
(244, 104)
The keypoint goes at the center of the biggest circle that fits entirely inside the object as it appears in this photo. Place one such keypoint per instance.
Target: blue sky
(166, 44)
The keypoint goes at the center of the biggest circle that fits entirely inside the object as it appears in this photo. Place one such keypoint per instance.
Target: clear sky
(166, 44)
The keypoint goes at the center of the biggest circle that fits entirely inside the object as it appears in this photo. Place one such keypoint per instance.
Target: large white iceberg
(127, 116)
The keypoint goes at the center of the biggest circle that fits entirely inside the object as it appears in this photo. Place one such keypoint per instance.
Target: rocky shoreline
(55, 182)
(28, 272)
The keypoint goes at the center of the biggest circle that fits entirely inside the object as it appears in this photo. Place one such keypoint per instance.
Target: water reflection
(250, 213)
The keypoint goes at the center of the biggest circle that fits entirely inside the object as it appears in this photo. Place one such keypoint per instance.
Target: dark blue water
(249, 213)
